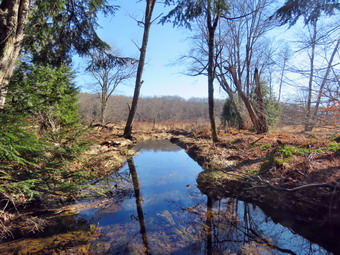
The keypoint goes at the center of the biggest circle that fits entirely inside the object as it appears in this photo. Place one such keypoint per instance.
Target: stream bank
(156, 208)
(106, 153)
(284, 172)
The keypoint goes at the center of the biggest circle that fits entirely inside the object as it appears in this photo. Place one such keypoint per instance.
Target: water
(157, 209)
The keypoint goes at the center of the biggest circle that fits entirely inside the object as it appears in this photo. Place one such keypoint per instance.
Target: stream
(156, 208)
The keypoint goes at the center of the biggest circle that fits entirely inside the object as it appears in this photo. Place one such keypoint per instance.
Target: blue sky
(162, 75)
(166, 44)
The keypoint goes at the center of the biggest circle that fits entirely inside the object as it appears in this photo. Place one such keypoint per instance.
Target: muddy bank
(250, 167)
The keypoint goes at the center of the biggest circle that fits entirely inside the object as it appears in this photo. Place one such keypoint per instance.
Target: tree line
(151, 109)
(195, 110)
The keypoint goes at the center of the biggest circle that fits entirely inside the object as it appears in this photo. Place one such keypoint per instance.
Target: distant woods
(151, 109)
(177, 109)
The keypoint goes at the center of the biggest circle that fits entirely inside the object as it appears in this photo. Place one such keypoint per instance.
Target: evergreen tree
(58, 29)
(45, 92)
(272, 106)
(292, 10)
(230, 115)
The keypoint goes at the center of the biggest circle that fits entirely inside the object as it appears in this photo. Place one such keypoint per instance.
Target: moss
(283, 161)
(333, 147)
(289, 150)
(253, 171)
(128, 152)
(216, 176)
(265, 146)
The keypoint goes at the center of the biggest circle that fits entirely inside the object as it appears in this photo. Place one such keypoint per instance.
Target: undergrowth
(282, 155)
(32, 166)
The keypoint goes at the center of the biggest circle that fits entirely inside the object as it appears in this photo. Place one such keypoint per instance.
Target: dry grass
(245, 151)
(169, 125)
(317, 133)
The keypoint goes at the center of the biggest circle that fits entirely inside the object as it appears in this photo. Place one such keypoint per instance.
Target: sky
(163, 75)
(166, 44)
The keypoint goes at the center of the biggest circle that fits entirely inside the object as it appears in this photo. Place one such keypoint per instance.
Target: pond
(156, 208)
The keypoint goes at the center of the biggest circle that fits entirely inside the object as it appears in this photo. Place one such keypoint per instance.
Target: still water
(156, 208)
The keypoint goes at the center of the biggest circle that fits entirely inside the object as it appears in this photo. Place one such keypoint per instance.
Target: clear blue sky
(162, 75)
(166, 44)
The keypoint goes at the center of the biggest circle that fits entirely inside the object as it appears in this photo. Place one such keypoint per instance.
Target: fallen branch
(253, 143)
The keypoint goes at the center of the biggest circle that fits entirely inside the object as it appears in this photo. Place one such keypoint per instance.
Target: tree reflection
(208, 225)
(233, 226)
(139, 204)
(156, 146)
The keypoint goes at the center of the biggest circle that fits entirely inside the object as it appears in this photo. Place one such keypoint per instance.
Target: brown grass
(169, 125)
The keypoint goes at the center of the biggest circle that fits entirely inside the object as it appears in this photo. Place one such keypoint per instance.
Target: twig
(156, 18)
(253, 143)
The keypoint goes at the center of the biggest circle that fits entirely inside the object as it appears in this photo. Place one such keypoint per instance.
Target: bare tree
(109, 70)
(150, 4)
(211, 11)
(243, 51)
(323, 84)
(320, 46)
(284, 56)
(13, 17)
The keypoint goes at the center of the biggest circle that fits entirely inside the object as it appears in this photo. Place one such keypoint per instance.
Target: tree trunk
(103, 99)
(281, 79)
(322, 86)
(263, 125)
(13, 17)
(150, 4)
(247, 89)
(308, 124)
(225, 86)
(253, 116)
(102, 111)
(211, 71)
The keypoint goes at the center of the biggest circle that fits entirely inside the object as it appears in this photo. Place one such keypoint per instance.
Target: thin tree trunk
(323, 83)
(150, 4)
(281, 79)
(14, 15)
(247, 71)
(211, 70)
(308, 125)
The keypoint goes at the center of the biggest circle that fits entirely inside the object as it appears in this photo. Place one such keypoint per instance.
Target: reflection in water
(139, 204)
(208, 223)
(155, 146)
(228, 230)
(158, 188)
